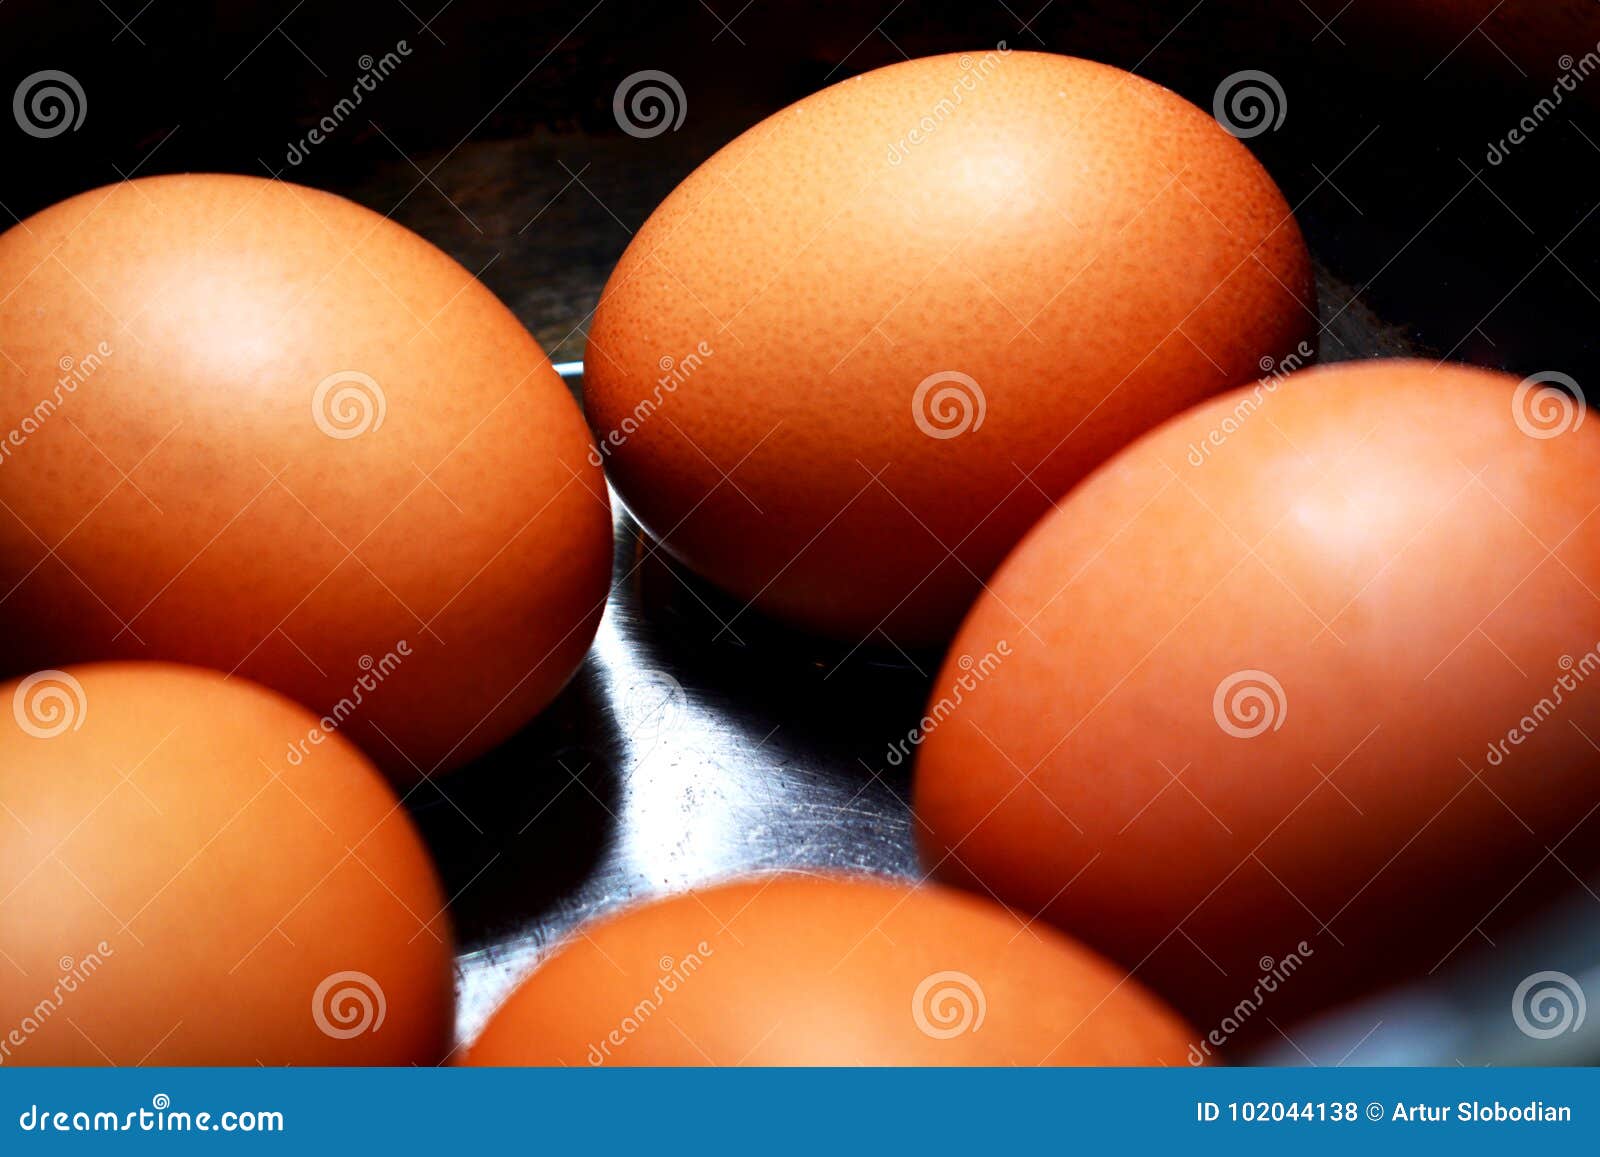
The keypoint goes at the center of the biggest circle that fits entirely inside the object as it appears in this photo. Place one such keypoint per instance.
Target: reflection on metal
(677, 756)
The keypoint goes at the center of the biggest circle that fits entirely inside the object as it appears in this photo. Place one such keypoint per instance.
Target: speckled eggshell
(828, 970)
(1310, 674)
(860, 350)
(259, 428)
(174, 892)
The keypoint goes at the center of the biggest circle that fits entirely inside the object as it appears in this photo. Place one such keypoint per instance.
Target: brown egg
(173, 891)
(830, 970)
(1309, 672)
(259, 428)
(856, 354)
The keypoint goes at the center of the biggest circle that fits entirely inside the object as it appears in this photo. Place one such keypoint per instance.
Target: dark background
(495, 137)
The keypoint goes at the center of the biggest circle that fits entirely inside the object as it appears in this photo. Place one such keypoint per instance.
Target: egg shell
(827, 970)
(854, 356)
(1300, 674)
(259, 428)
(173, 892)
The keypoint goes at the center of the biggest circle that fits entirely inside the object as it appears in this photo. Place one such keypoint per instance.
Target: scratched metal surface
(695, 743)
